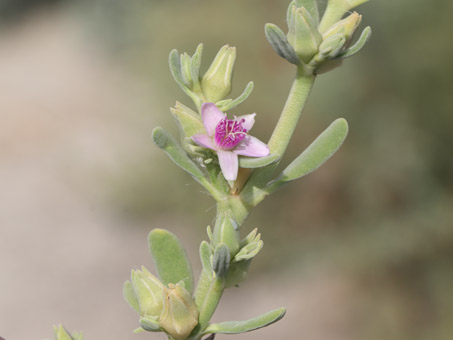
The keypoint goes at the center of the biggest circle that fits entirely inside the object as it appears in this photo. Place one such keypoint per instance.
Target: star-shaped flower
(229, 138)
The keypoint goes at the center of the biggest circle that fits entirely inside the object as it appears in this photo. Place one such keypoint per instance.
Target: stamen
(229, 133)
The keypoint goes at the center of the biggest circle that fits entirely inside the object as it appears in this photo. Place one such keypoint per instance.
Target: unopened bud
(227, 231)
(346, 26)
(216, 83)
(303, 34)
(179, 314)
(149, 292)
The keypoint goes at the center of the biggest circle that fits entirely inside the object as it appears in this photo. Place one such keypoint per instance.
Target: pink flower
(229, 138)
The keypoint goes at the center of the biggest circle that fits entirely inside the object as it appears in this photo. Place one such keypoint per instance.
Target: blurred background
(360, 249)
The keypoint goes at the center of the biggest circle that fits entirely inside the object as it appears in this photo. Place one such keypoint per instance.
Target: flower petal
(249, 120)
(251, 147)
(204, 141)
(211, 116)
(229, 164)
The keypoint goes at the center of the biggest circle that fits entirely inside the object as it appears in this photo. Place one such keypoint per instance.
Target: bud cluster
(318, 44)
(215, 85)
(162, 309)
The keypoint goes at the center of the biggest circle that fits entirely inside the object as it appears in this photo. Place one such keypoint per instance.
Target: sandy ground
(63, 256)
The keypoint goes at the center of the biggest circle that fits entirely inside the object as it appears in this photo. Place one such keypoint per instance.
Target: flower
(229, 138)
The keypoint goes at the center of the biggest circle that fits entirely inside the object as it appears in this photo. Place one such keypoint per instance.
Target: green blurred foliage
(381, 210)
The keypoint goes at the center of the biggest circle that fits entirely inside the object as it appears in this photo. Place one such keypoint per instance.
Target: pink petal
(204, 141)
(211, 116)
(229, 164)
(249, 120)
(251, 147)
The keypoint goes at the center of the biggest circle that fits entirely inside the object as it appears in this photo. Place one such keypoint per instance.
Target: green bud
(330, 47)
(303, 34)
(238, 269)
(216, 83)
(149, 292)
(347, 26)
(335, 11)
(62, 334)
(179, 314)
(226, 231)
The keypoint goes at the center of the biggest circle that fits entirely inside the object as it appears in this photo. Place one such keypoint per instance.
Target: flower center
(228, 133)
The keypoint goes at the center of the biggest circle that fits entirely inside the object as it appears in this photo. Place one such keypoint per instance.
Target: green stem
(253, 192)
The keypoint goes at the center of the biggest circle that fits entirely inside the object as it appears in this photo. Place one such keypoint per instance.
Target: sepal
(189, 121)
(179, 313)
(236, 327)
(310, 5)
(150, 324)
(303, 34)
(216, 82)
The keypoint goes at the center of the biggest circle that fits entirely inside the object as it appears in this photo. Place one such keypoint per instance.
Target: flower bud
(227, 231)
(346, 26)
(179, 314)
(149, 292)
(216, 83)
(303, 34)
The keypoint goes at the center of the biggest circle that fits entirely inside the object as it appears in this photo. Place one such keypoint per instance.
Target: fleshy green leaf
(228, 105)
(236, 327)
(166, 142)
(129, 296)
(316, 154)
(257, 162)
(277, 39)
(363, 39)
(196, 63)
(205, 256)
(170, 258)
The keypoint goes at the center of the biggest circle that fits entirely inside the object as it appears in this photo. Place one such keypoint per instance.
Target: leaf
(205, 256)
(363, 39)
(279, 43)
(317, 153)
(196, 63)
(228, 105)
(236, 327)
(166, 142)
(129, 296)
(170, 258)
(257, 162)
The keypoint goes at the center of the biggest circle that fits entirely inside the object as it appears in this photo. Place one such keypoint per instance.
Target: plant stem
(253, 192)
